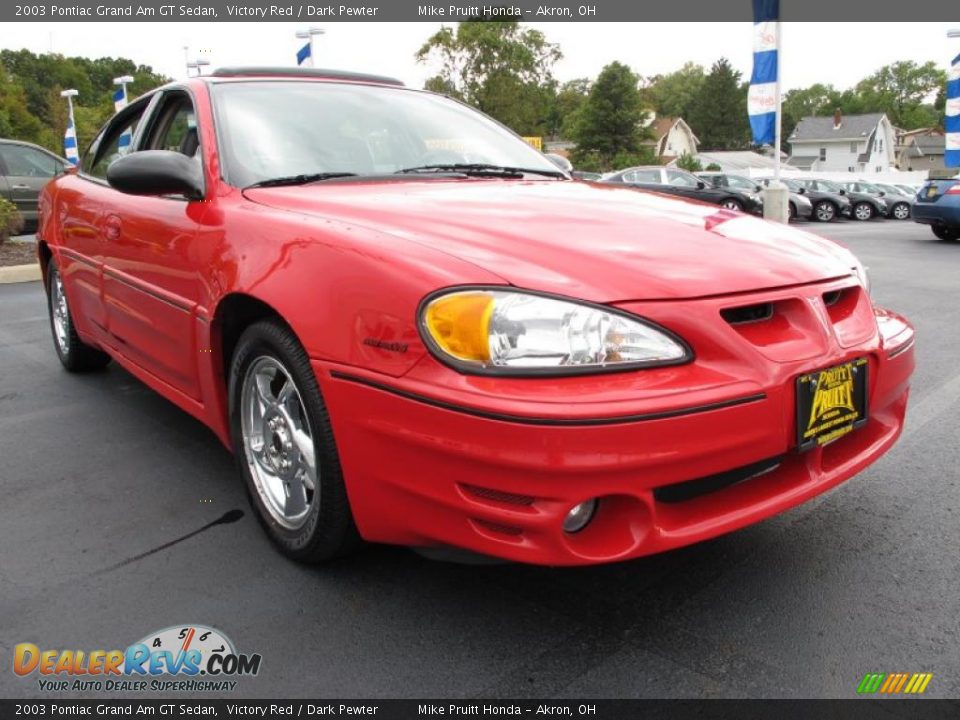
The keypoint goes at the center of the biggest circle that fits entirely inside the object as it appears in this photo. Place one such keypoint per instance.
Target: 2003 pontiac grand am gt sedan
(411, 328)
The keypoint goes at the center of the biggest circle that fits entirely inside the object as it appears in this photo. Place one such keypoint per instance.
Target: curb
(20, 273)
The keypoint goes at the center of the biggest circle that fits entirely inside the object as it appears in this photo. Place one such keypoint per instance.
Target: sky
(836, 53)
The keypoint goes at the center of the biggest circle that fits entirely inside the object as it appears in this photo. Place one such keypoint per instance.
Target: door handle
(111, 228)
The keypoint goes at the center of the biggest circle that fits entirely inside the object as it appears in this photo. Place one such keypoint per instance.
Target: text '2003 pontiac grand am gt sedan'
(411, 328)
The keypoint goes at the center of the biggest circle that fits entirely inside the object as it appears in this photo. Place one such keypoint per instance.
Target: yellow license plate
(831, 403)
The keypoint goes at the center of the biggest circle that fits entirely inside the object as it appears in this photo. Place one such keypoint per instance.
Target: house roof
(804, 162)
(926, 145)
(852, 127)
(662, 125)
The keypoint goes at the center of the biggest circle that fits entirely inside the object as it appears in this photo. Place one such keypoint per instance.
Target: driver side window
(114, 141)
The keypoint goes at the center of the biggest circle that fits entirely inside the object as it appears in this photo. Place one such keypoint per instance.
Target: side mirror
(882, 194)
(758, 188)
(802, 190)
(701, 185)
(156, 172)
(560, 161)
(842, 191)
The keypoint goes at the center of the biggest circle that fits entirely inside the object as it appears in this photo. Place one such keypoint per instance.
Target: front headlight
(486, 330)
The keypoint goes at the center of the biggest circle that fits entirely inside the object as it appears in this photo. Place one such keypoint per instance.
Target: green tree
(499, 67)
(719, 114)
(608, 128)
(676, 94)
(901, 89)
(689, 163)
(818, 99)
(567, 103)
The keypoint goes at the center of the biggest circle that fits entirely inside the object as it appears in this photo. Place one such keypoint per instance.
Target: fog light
(579, 516)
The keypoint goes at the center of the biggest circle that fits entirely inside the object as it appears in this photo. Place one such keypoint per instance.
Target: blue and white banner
(304, 54)
(951, 123)
(119, 103)
(70, 140)
(762, 97)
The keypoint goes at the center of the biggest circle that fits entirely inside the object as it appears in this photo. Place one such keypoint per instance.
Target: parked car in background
(672, 181)
(938, 205)
(585, 175)
(800, 206)
(910, 190)
(862, 205)
(24, 170)
(827, 206)
(898, 204)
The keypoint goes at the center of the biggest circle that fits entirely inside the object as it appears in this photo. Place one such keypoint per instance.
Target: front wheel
(731, 204)
(901, 211)
(792, 213)
(75, 355)
(946, 233)
(825, 211)
(863, 211)
(284, 445)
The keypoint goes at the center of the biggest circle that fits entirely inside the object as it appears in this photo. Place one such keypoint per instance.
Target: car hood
(585, 240)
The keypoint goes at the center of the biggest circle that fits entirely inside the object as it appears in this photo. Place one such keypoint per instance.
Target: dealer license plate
(831, 403)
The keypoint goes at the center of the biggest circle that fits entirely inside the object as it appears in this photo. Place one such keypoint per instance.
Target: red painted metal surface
(431, 456)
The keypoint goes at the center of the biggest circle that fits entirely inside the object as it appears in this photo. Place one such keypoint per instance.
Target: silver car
(24, 170)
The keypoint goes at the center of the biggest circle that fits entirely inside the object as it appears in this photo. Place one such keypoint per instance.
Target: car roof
(11, 141)
(301, 74)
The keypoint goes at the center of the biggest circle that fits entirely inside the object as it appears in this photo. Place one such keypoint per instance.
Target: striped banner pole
(951, 123)
(763, 100)
(119, 103)
(70, 136)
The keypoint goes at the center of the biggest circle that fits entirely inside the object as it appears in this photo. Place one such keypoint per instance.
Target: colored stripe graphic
(894, 683)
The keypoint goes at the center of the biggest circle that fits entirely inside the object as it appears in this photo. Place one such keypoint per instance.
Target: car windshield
(828, 185)
(283, 129)
(741, 183)
(791, 184)
(871, 188)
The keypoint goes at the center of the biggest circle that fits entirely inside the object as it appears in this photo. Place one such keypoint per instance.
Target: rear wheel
(901, 211)
(74, 354)
(863, 211)
(792, 212)
(825, 211)
(946, 233)
(284, 445)
(731, 204)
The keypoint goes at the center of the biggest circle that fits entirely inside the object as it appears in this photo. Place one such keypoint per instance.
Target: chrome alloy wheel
(278, 443)
(901, 211)
(825, 212)
(61, 315)
(863, 212)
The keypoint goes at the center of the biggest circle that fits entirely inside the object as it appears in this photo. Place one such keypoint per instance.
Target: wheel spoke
(296, 501)
(304, 444)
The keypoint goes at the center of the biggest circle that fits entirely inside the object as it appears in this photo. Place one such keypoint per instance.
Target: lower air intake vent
(683, 491)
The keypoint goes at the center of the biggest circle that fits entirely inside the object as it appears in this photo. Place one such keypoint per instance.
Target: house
(844, 143)
(672, 137)
(921, 150)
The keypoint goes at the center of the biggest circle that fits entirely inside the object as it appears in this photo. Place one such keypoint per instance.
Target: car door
(685, 185)
(82, 201)
(26, 170)
(151, 274)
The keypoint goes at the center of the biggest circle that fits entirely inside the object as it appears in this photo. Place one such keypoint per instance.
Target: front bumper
(496, 471)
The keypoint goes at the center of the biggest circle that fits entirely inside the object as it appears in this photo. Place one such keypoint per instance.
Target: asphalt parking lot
(96, 471)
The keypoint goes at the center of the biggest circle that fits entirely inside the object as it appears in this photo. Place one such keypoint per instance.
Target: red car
(411, 327)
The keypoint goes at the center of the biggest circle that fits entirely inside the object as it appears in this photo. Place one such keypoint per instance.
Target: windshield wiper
(481, 170)
(301, 179)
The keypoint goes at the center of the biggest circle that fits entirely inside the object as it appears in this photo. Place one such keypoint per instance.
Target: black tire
(731, 204)
(863, 211)
(946, 233)
(825, 211)
(900, 211)
(328, 530)
(792, 212)
(74, 354)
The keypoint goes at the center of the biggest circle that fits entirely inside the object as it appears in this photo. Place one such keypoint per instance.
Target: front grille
(690, 489)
